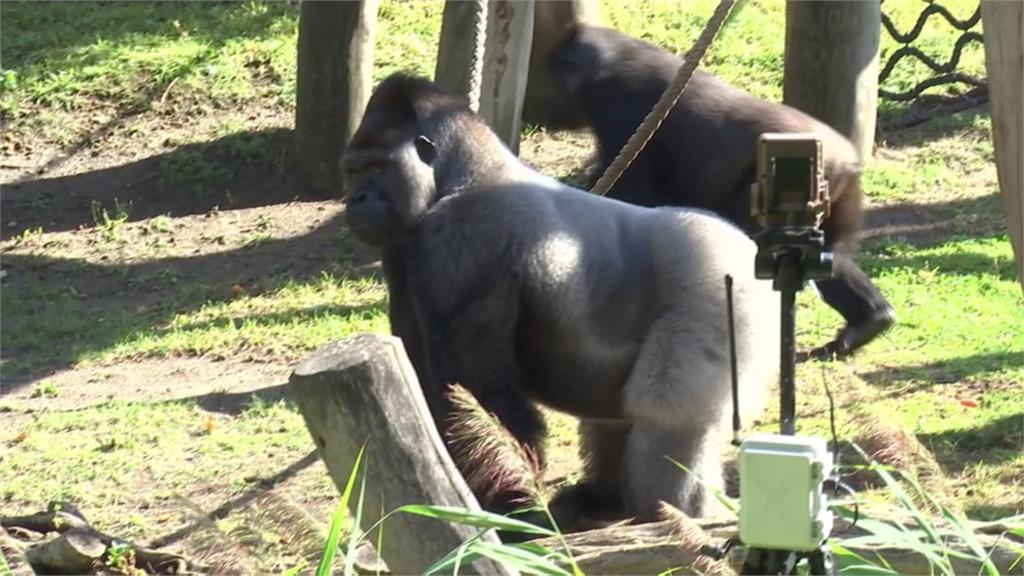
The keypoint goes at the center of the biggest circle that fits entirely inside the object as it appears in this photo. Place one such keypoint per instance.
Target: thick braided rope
(668, 100)
(476, 64)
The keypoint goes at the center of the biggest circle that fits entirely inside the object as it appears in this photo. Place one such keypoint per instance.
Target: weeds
(110, 226)
(46, 389)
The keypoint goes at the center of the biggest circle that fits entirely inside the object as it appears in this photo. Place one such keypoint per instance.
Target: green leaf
(331, 545)
(480, 519)
(350, 555)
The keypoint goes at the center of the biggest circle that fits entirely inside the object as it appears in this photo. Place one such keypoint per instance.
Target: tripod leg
(822, 562)
(775, 562)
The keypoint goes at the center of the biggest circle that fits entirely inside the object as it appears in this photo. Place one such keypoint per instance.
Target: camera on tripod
(784, 513)
(790, 200)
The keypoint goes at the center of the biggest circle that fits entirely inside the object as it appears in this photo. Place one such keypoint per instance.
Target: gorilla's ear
(426, 149)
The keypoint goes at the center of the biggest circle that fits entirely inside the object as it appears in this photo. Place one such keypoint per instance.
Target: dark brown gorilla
(705, 154)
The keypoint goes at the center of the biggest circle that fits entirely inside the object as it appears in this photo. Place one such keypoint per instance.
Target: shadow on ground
(940, 126)
(948, 371)
(127, 299)
(242, 170)
(997, 441)
(923, 225)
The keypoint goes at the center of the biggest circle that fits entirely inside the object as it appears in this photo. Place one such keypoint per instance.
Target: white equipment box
(782, 505)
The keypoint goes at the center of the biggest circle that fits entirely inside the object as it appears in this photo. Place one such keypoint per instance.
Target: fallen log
(363, 392)
(79, 548)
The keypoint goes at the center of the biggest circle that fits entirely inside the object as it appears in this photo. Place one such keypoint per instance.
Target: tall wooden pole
(506, 67)
(506, 60)
(832, 65)
(1004, 60)
(552, 20)
(335, 61)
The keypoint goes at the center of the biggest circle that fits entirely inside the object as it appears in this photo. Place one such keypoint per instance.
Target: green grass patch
(115, 455)
(959, 308)
(277, 317)
(98, 456)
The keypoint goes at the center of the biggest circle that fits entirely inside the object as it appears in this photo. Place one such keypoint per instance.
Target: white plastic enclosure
(782, 505)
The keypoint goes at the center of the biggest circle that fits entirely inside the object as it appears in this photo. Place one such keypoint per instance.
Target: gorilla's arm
(403, 322)
(469, 339)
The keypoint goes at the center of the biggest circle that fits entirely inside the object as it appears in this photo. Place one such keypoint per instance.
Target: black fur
(524, 290)
(705, 155)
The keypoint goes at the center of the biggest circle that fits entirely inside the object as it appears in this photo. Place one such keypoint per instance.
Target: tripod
(790, 256)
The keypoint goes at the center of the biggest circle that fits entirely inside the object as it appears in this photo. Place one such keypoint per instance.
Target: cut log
(75, 551)
(831, 67)
(363, 392)
(1004, 60)
(333, 83)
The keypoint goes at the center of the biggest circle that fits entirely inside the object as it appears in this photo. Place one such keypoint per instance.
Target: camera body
(790, 200)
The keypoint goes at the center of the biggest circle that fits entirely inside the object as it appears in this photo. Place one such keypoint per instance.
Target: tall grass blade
(848, 561)
(480, 519)
(331, 545)
(350, 554)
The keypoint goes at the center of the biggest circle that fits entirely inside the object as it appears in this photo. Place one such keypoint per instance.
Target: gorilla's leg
(598, 497)
(677, 397)
(866, 311)
(652, 477)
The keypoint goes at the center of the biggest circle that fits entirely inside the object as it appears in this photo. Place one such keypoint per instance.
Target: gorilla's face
(389, 184)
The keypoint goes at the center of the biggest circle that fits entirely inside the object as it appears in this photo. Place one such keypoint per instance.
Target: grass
(275, 318)
(951, 370)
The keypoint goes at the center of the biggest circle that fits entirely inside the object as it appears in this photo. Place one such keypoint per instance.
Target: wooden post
(552, 20)
(335, 59)
(1004, 60)
(832, 65)
(364, 391)
(506, 60)
(455, 47)
(506, 66)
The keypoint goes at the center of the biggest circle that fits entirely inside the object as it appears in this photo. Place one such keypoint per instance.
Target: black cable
(736, 424)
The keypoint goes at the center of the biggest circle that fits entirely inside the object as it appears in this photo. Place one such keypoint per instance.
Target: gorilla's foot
(852, 337)
(582, 507)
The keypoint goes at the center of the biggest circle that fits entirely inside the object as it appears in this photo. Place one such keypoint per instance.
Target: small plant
(257, 239)
(161, 224)
(46, 389)
(120, 557)
(264, 222)
(27, 235)
(110, 226)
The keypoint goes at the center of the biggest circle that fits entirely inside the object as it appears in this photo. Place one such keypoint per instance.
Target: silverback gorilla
(705, 154)
(525, 290)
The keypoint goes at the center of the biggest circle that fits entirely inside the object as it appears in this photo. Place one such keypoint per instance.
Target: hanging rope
(476, 64)
(668, 100)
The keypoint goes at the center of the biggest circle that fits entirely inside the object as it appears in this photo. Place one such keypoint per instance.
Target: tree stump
(363, 392)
